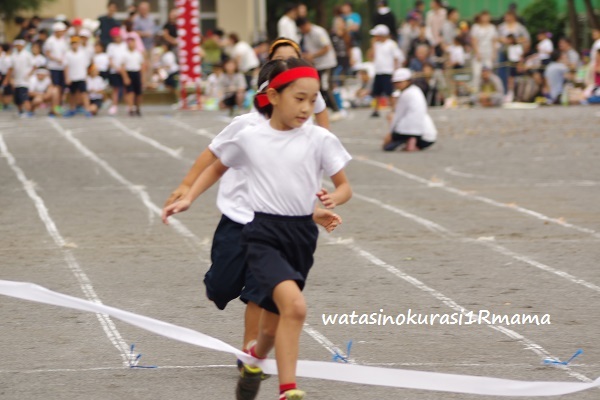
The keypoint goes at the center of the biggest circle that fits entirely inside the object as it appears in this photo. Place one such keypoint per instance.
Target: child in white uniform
(132, 69)
(76, 65)
(41, 91)
(283, 160)
(21, 69)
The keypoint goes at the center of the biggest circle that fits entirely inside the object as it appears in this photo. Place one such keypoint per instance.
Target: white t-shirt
(314, 41)
(320, 104)
(22, 65)
(132, 60)
(456, 54)
(594, 51)
(514, 52)
(77, 64)
(39, 61)
(56, 48)
(485, 36)
(116, 52)
(356, 57)
(5, 63)
(410, 114)
(39, 86)
(94, 85)
(245, 55)
(286, 27)
(101, 61)
(169, 62)
(387, 53)
(545, 49)
(283, 168)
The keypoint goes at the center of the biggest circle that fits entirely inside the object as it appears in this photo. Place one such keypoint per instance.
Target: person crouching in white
(41, 91)
(411, 125)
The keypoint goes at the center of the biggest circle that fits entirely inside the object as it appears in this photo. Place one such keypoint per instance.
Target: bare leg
(411, 145)
(251, 323)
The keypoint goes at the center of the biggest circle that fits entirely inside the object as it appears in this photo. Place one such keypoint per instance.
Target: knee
(295, 310)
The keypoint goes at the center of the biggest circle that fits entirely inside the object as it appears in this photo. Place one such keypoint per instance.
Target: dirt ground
(502, 214)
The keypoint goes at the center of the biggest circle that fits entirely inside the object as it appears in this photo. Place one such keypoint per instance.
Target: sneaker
(27, 114)
(69, 113)
(248, 383)
(88, 114)
(392, 146)
(112, 110)
(294, 394)
(131, 113)
(375, 114)
(138, 112)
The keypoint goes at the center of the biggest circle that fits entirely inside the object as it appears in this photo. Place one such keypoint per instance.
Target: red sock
(286, 386)
(252, 352)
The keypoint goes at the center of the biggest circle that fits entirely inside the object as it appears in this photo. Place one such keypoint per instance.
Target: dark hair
(19, 20)
(99, 43)
(5, 47)
(234, 37)
(451, 10)
(300, 22)
(289, 7)
(43, 31)
(274, 68)
(112, 3)
(219, 32)
(283, 42)
(419, 3)
(555, 55)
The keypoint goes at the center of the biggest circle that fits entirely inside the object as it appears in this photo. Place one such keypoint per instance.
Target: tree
(11, 7)
(542, 15)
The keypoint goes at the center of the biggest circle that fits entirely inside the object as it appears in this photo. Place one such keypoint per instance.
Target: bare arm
(204, 160)
(209, 177)
(323, 119)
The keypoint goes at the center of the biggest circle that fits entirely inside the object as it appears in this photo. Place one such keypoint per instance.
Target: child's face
(229, 67)
(35, 50)
(93, 72)
(98, 49)
(401, 85)
(74, 46)
(131, 44)
(40, 77)
(296, 103)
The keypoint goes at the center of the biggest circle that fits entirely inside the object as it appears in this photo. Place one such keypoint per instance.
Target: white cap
(61, 17)
(19, 42)
(85, 33)
(380, 30)
(59, 26)
(401, 75)
(43, 71)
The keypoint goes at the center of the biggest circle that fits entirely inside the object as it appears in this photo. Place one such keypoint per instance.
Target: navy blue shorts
(115, 80)
(172, 80)
(21, 95)
(58, 78)
(78, 86)
(279, 248)
(135, 84)
(382, 85)
(8, 89)
(229, 277)
(399, 138)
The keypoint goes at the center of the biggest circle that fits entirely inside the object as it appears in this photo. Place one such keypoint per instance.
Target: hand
(308, 57)
(326, 199)
(177, 207)
(177, 194)
(327, 219)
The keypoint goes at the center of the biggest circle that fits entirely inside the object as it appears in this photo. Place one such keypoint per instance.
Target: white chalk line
(482, 199)
(527, 343)
(84, 282)
(180, 228)
(446, 233)
(138, 190)
(172, 152)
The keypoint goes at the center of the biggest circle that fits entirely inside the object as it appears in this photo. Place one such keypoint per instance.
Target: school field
(502, 214)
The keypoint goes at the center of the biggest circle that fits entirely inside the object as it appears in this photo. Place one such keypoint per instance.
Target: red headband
(284, 78)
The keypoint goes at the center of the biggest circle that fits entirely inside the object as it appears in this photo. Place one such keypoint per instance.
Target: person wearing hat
(21, 68)
(76, 65)
(411, 125)
(41, 91)
(386, 56)
(55, 49)
(85, 42)
(116, 51)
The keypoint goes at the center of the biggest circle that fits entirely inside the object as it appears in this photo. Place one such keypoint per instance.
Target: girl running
(283, 160)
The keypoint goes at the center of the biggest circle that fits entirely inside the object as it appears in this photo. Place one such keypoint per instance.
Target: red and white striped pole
(188, 37)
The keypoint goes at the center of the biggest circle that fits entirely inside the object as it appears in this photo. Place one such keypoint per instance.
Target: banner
(188, 37)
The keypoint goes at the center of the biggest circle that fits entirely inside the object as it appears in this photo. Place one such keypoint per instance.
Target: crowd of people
(74, 66)
(79, 66)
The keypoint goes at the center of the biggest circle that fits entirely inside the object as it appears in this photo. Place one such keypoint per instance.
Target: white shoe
(112, 110)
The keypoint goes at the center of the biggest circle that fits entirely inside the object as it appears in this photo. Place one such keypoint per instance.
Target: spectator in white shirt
(169, 66)
(116, 51)
(55, 49)
(101, 60)
(573, 58)
(434, 21)
(96, 87)
(233, 86)
(21, 68)
(286, 26)
(411, 125)
(387, 57)
(132, 70)
(76, 65)
(41, 91)
(545, 47)
(38, 58)
(245, 58)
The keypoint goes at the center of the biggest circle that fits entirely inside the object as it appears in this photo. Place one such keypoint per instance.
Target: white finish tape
(399, 378)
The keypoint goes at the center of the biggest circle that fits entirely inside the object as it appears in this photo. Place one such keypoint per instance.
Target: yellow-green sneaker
(294, 394)
(248, 383)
